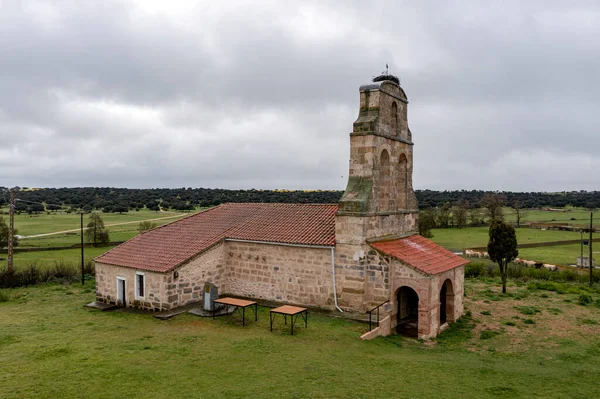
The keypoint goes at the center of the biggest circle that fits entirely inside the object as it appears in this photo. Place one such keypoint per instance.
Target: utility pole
(591, 259)
(581, 247)
(11, 227)
(81, 224)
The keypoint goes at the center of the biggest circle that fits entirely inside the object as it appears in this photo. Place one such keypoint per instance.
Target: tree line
(120, 200)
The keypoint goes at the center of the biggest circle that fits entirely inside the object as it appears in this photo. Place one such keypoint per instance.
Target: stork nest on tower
(383, 77)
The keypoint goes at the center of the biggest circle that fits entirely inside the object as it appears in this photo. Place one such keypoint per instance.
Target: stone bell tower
(379, 200)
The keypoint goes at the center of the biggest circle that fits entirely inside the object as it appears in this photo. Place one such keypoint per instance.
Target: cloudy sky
(262, 94)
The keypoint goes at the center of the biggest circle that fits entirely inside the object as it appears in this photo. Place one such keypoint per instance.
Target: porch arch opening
(408, 312)
(446, 302)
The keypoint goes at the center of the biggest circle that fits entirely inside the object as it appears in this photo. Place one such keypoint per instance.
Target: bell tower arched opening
(384, 181)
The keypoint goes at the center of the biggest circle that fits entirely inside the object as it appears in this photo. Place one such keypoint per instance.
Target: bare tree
(459, 213)
(427, 222)
(96, 232)
(444, 215)
(476, 217)
(492, 204)
(520, 213)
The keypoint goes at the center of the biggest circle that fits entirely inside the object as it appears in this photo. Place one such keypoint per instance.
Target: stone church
(352, 256)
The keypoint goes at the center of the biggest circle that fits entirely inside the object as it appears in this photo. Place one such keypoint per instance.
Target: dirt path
(108, 225)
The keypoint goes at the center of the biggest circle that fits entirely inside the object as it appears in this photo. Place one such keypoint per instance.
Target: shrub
(585, 299)
(486, 313)
(475, 269)
(528, 310)
(487, 334)
(32, 274)
(510, 323)
(4, 297)
(9, 278)
(529, 321)
(63, 271)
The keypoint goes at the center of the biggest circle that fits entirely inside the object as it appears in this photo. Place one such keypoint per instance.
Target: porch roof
(420, 253)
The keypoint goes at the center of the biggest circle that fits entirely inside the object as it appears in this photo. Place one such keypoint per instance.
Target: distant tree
(443, 215)
(146, 225)
(35, 208)
(165, 205)
(121, 208)
(427, 222)
(53, 207)
(153, 207)
(459, 213)
(519, 211)
(502, 247)
(476, 217)
(492, 204)
(96, 233)
(4, 234)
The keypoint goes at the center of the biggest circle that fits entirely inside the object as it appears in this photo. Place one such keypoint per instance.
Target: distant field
(560, 254)
(48, 223)
(459, 239)
(581, 216)
(121, 226)
(45, 259)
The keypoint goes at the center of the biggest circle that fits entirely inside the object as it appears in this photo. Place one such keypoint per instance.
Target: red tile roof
(420, 253)
(168, 246)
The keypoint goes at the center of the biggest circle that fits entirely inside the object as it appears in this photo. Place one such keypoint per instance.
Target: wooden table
(237, 303)
(288, 310)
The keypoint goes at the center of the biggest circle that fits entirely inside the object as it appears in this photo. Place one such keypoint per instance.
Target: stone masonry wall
(189, 284)
(295, 275)
(106, 287)
(162, 290)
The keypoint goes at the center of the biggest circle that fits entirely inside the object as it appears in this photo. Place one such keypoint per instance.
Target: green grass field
(560, 254)
(53, 347)
(459, 239)
(45, 259)
(581, 216)
(52, 222)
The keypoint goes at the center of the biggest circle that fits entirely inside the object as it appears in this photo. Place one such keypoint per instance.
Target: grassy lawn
(51, 346)
(468, 237)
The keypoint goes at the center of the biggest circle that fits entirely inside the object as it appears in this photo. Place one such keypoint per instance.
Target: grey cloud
(264, 96)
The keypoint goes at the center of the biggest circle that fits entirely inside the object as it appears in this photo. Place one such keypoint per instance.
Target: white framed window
(140, 285)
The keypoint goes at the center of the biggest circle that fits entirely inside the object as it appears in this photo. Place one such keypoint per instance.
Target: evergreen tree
(502, 247)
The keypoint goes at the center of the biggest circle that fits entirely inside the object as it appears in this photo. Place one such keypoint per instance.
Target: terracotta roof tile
(420, 253)
(168, 246)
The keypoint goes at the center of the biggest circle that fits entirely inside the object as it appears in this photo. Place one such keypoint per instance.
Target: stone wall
(428, 289)
(163, 291)
(106, 287)
(189, 284)
(287, 274)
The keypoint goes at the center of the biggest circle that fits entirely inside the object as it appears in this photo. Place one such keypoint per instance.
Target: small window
(140, 285)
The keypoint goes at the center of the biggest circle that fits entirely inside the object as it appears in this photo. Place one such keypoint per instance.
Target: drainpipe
(334, 285)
